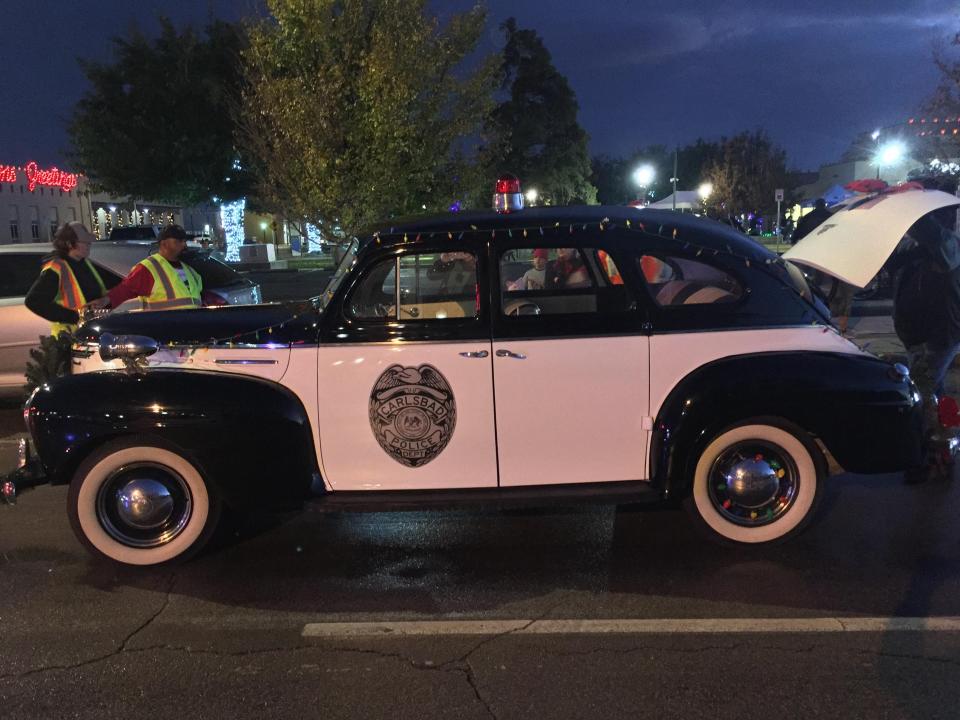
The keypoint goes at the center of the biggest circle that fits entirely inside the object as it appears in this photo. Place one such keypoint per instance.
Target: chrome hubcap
(144, 505)
(753, 483)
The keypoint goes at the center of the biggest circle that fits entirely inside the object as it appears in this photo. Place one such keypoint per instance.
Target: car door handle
(475, 354)
(511, 354)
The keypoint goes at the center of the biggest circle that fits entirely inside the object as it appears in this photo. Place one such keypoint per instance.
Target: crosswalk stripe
(635, 626)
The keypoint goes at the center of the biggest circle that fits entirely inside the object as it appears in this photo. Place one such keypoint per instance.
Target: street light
(643, 176)
(263, 232)
(531, 195)
(890, 154)
(705, 190)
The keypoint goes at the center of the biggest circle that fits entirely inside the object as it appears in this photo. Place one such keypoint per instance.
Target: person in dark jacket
(926, 316)
(68, 280)
(811, 220)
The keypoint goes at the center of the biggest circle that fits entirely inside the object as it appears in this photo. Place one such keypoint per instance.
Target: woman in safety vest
(68, 280)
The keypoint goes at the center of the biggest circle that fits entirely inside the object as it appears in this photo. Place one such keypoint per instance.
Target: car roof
(709, 233)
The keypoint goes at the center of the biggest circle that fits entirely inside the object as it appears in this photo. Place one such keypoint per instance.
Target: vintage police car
(529, 356)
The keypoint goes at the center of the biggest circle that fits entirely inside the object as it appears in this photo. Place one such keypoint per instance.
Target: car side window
(17, 274)
(561, 281)
(432, 286)
(675, 281)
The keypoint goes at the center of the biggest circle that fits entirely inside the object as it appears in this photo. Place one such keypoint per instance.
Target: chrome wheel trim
(144, 505)
(753, 483)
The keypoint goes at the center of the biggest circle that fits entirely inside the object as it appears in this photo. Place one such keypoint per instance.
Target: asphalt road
(222, 635)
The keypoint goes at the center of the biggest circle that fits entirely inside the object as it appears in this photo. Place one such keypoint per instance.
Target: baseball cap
(173, 231)
(83, 235)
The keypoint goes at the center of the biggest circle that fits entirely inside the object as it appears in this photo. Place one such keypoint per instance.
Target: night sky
(813, 73)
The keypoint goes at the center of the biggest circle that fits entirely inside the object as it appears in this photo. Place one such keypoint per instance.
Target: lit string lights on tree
(231, 219)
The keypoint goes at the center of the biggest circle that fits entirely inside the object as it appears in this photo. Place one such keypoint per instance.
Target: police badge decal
(412, 413)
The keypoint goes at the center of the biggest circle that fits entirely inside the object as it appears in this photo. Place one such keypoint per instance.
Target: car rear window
(214, 273)
(17, 273)
(134, 232)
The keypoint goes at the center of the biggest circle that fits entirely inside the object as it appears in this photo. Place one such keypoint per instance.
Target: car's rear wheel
(137, 503)
(757, 482)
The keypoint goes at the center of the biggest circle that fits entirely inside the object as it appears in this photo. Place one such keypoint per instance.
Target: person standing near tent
(811, 220)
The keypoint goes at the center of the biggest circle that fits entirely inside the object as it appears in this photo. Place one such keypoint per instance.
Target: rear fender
(866, 415)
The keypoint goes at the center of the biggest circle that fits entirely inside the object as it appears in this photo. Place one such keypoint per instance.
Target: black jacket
(40, 297)
(926, 306)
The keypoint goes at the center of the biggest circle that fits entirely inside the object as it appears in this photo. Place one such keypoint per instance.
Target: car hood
(859, 238)
(292, 323)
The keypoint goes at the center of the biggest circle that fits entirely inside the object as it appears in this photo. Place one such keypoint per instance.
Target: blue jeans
(931, 362)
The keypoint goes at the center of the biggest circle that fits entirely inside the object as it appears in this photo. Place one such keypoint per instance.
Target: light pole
(263, 232)
(876, 146)
(643, 176)
(531, 196)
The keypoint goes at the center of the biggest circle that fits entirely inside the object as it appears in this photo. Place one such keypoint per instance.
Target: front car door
(571, 366)
(405, 384)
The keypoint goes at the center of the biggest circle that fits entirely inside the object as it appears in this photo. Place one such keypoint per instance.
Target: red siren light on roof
(507, 197)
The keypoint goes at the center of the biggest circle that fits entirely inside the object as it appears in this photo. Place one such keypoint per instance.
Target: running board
(613, 493)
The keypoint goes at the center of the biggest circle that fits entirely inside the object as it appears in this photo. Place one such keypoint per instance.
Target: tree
(744, 177)
(356, 110)
(158, 122)
(535, 134)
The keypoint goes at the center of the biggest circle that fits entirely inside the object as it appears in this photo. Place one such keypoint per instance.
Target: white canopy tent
(686, 200)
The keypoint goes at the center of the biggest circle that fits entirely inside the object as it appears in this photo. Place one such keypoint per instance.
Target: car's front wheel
(138, 503)
(757, 482)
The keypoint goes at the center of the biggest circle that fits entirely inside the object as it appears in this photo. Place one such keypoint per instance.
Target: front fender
(251, 438)
(867, 415)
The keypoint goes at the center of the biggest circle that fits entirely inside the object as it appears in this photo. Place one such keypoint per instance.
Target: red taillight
(508, 184)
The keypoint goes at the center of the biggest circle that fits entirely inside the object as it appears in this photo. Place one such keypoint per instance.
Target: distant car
(20, 265)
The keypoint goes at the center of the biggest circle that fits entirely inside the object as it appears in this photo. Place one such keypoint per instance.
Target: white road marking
(634, 627)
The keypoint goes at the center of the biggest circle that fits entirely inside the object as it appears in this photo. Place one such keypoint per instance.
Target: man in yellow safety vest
(161, 281)
(67, 281)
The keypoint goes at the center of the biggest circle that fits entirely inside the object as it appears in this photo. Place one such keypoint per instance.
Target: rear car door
(404, 381)
(571, 368)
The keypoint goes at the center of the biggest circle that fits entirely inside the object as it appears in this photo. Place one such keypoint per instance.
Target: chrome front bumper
(29, 474)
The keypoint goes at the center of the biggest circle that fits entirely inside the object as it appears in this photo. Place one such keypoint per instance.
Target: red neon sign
(8, 173)
(51, 178)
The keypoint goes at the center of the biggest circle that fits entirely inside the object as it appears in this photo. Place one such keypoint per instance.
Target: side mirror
(126, 347)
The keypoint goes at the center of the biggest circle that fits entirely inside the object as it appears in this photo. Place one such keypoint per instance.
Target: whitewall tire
(138, 503)
(757, 482)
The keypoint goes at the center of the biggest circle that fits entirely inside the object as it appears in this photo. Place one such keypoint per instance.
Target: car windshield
(347, 262)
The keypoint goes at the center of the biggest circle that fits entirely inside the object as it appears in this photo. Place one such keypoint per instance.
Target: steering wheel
(521, 307)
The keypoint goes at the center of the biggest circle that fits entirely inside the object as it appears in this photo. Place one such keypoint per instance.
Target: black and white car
(685, 362)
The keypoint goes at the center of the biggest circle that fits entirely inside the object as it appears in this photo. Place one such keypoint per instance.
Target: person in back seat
(567, 271)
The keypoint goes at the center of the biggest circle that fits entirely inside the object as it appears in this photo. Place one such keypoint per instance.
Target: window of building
(675, 281)
(432, 286)
(14, 231)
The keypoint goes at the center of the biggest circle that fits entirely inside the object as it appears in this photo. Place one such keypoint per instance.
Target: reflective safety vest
(169, 291)
(69, 294)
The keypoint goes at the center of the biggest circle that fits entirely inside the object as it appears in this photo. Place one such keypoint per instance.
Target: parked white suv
(20, 329)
